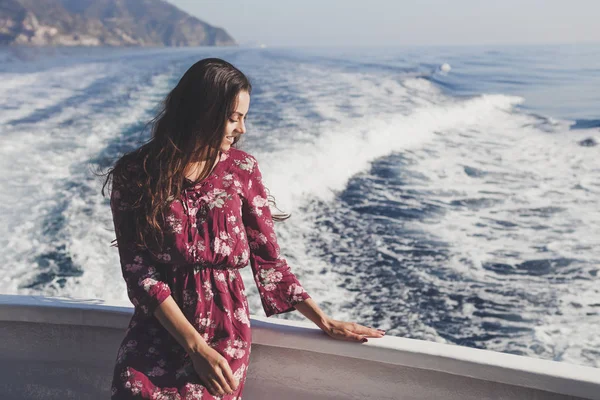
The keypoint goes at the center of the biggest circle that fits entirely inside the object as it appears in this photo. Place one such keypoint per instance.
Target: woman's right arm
(152, 296)
(171, 317)
(212, 368)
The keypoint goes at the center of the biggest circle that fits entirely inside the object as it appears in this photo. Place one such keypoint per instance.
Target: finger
(348, 332)
(353, 327)
(231, 380)
(364, 329)
(376, 333)
(369, 331)
(376, 330)
(223, 383)
(209, 387)
(218, 389)
(353, 337)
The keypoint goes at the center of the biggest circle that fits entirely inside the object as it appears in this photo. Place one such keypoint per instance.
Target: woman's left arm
(279, 289)
(340, 330)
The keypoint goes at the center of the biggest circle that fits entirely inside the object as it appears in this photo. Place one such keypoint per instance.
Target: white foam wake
(322, 167)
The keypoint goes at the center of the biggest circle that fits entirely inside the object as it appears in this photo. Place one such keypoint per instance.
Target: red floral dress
(213, 229)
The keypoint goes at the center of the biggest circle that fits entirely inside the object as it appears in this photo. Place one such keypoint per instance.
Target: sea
(450, 194)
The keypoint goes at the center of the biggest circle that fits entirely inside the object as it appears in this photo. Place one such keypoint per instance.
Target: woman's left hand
(350, 331)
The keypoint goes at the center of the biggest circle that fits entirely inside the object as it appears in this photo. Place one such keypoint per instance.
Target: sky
(403, 23)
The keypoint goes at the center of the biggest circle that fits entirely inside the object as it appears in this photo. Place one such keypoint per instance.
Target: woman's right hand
(212, 368)
(214, 371)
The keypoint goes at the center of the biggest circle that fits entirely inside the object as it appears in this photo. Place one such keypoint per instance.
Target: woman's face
(235, 125)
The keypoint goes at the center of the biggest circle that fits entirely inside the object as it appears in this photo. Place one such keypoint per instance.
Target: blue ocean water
(447, 194)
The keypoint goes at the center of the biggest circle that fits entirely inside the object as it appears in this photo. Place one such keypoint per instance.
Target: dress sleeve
(278, 287)
(146, 287)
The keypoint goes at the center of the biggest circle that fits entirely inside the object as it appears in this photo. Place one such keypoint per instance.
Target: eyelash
(236, 120)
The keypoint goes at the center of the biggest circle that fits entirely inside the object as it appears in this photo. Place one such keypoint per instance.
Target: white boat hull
(61, 348)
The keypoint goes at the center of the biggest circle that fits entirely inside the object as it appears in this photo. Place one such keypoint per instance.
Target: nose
(241, 128)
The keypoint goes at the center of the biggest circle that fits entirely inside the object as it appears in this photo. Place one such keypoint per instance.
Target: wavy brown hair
(188, 128)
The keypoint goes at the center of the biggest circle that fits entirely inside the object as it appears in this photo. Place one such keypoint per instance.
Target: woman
(189, 210)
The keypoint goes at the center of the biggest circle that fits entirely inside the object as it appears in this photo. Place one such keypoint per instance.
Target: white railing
(65, 348)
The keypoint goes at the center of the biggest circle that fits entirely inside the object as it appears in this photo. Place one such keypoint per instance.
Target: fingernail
(364, 340)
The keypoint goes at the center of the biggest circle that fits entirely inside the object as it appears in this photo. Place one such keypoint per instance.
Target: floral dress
(213, 229)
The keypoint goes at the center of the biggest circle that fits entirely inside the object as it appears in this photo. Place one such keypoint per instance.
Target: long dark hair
(188, 128)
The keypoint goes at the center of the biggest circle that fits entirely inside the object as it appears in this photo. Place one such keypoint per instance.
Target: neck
(194, 168)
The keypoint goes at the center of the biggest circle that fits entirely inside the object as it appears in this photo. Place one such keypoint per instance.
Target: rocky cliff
(104, 23)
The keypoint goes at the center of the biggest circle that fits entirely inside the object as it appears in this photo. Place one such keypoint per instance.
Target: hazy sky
(396, 22)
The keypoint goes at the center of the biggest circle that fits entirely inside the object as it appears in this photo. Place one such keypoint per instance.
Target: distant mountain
(104, 23)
